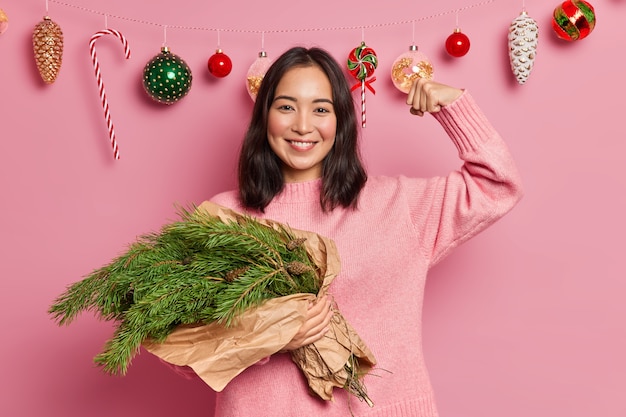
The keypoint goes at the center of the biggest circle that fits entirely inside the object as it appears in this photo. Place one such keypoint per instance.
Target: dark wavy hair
(343, 174)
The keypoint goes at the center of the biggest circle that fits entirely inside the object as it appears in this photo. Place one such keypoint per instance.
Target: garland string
(318, 29)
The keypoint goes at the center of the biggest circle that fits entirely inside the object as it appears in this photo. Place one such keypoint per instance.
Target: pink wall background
(525, 320)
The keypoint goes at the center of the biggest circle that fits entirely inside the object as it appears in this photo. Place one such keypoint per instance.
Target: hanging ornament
(4, 22)
(255, 74)
(220, 64)
(457, 44)
(523, 38)
(103, 96)
(362, 62)
(573, 20)
(410, 66)
(166, 77)
(48, 49)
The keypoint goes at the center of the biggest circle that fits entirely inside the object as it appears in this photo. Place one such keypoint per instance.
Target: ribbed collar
(294, 192)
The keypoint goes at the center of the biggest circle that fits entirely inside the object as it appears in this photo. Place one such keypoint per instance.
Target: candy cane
(103, 96)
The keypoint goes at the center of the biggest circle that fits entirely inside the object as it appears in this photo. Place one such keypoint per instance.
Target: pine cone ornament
(523, 35)
(48, 49)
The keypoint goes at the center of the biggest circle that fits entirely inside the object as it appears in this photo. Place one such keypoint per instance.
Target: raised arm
(451, 209)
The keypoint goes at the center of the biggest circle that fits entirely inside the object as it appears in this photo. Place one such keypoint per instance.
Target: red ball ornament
(220, 64)
(573, 20)
(457, 44)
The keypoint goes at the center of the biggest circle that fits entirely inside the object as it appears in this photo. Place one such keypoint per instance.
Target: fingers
(318, 331)
(423, 98)
(317, 324)
(427, 96)
(319, 316)
(416, 112)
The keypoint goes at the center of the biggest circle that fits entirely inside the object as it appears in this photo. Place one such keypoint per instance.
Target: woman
(300, 165)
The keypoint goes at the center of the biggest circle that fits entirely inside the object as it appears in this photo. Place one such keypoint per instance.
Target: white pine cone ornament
(48, 49)
(523, 36)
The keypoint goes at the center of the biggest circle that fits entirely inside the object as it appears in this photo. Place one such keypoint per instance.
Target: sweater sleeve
(452, 209)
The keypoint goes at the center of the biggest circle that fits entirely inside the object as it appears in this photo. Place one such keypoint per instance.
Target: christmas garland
(210, 269)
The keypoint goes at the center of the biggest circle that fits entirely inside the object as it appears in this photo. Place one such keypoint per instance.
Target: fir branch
(247, 291)
(79, 297)
(186, 300)
(196, 270)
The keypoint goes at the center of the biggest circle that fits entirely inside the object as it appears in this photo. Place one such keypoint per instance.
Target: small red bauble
(457, 44)
(220, 64)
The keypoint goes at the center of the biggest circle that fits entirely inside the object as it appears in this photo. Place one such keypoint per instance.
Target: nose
(303, 123)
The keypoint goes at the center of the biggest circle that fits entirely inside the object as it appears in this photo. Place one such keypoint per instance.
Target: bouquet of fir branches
(208, 292)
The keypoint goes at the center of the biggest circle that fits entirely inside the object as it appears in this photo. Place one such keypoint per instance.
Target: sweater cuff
(465, 123)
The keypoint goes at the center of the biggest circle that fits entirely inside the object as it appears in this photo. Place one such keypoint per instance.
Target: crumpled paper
(217, 354)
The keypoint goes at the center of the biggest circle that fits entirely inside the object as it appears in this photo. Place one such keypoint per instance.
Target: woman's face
(302, 123)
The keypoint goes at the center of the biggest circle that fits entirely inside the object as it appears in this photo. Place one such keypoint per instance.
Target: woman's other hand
(316, 325)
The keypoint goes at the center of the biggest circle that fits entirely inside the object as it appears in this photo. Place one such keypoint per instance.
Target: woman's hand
(428, 96)
(316, 325)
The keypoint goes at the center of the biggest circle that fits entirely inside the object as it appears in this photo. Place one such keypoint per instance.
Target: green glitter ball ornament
(166, 77)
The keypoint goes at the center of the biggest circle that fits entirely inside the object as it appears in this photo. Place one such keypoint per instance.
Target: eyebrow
(317, 100)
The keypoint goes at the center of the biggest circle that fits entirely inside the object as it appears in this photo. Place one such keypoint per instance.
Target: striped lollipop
(362, 62)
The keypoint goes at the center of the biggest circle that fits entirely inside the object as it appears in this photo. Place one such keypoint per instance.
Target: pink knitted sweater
(401, 228)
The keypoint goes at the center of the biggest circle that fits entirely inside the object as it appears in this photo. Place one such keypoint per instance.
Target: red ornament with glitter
(573, 20)
(457, 44)
(219, 64)
(362, 62)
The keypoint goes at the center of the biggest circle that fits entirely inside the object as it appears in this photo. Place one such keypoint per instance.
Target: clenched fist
(428, 96)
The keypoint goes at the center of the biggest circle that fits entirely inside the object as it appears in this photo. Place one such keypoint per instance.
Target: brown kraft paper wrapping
(218, 353)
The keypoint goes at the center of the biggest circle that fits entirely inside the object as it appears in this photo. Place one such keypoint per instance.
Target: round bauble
(457, 44)
(410, 66)
(255, 74)
(219, 64)
(4, 22)
(166, 77)
(573, 20)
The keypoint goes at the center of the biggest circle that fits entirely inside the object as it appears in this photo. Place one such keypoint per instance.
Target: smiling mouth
(301, 144)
